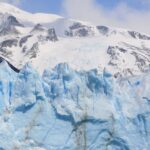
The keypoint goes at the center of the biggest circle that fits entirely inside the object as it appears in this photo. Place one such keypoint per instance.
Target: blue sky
(55, 6)
(48, 6)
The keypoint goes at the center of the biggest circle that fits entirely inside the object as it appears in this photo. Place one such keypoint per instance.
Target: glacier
(65, 109)
(67, 84)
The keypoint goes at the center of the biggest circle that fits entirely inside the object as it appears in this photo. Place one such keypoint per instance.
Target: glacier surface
(73, 110)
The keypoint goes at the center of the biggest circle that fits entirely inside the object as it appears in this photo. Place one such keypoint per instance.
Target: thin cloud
(145, 1)
(120, 16)
(13, 2)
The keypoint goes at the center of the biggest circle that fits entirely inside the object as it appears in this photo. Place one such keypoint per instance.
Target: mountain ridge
(24, 45)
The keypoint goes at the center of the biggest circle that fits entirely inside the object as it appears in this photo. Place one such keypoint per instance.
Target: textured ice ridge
(67, 110)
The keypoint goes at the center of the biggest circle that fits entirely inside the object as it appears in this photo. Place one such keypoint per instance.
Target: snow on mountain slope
(54, 39)
(27, 17)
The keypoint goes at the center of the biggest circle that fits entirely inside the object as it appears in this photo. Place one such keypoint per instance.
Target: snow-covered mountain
(46, 40)
(90, 90)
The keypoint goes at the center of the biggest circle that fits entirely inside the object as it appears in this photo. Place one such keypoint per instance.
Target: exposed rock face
(138, 35)
(5, 45)
(77, 29)
(9, 43)
(38, 28)
(11, 20)
(32, 53)
(8, 24)
(117, 55)
(103, 29)
(52, 35)
(23, 40)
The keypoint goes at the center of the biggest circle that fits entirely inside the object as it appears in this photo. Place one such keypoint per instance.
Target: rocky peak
(8, 24)
(38, 28)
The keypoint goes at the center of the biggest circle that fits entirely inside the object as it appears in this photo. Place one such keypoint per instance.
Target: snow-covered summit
(26, 16)
(24, 37)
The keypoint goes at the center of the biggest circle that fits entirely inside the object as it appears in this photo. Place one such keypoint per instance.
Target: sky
(132, 14)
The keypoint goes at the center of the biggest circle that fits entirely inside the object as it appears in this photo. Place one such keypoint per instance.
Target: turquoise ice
(73, 110)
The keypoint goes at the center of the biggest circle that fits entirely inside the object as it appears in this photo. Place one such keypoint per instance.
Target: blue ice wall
(73, 110)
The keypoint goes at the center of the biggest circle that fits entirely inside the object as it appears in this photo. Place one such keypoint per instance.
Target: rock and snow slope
(72, 106)
(55, 39)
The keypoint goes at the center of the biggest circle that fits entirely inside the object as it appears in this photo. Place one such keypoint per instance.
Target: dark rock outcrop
(38, 28)
(77, 29)
(9, 43)
(8, 25)
(24, 40)
(103, 29)
(138, 35)
(52, 35)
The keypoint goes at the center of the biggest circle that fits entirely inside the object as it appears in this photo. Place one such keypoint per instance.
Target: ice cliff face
(68, 109)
